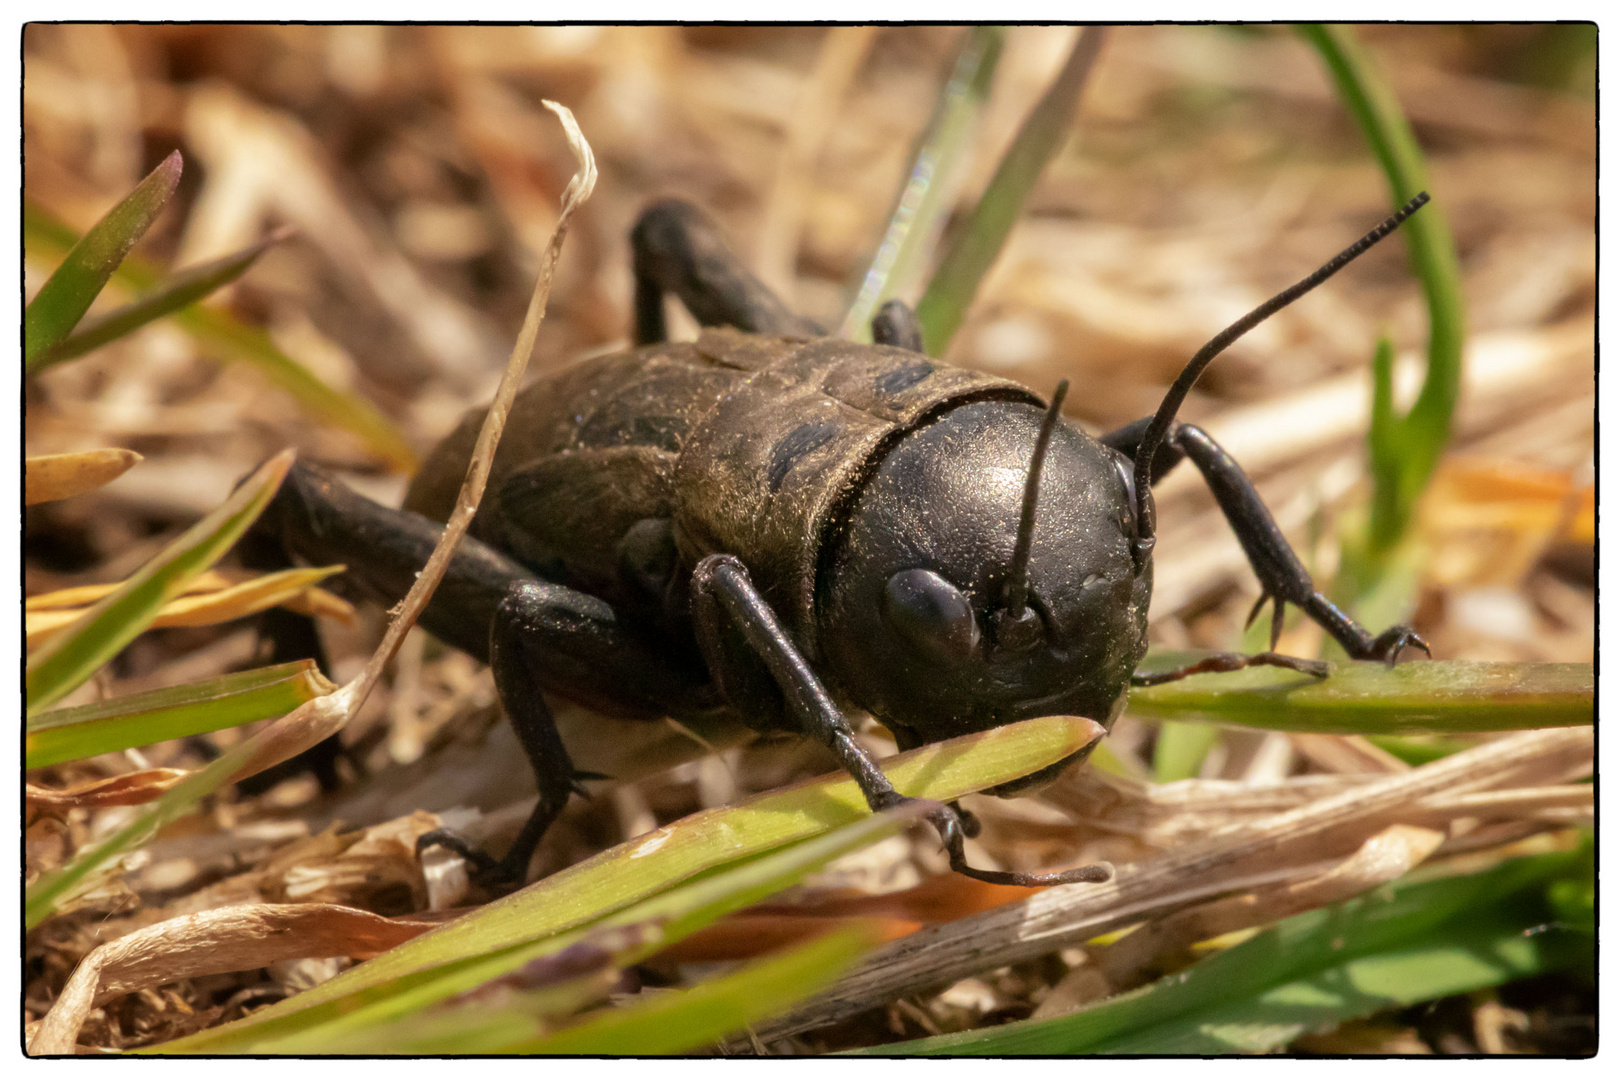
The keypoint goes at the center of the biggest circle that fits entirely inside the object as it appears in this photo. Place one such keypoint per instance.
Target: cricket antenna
(1160, 427)
(1016, 621)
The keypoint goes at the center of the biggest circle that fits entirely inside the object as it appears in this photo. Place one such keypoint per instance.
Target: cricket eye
(931, 613)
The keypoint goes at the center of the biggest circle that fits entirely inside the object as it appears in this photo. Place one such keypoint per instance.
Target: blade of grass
(181, 290)
(1418, 749)
(945, 303)
(1180, 749)
(1404, 450)
(50, 477)
(923, 204)
(521, 1005)
(62, 664)
(665, 1024)
(384, 988)
(171, 713)
(303, 727)
(59, 305)
(44, 895)
(1392, 947)
(219, 330)
(641, 868)
(692, 1019)
(1360, 698)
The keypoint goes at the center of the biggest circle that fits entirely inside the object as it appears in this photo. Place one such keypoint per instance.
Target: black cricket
(786, 527)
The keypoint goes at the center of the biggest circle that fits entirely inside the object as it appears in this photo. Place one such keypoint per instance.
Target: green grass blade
(221, 331)
(663, 1024)
(76, 651)
(172, 713)
(321, 1018)
(43, 896)
(637, 871)
(1404, 450)
(1180, 749)
(1418, 750)
(1363, 698)
(920, 211)
(59, 305)
(945, 303)
(472, 1027)
(1391, 947)
(693, 1019)
(181, 290)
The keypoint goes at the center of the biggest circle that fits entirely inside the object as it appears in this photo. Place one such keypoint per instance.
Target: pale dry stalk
(1160, 945)
(1241, 857)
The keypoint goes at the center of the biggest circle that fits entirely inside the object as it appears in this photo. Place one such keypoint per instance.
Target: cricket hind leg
(1283, 578)
(292, 636)
(317, 517)
(896, 324)
(676, 249)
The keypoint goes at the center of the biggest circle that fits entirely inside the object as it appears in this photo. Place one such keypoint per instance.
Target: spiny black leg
(549, 637)
(721, 589)
(676, 249)
(1283, 578)
(1227, 661)
(896, 324)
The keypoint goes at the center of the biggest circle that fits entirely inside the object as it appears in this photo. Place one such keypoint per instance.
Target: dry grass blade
(73, 654)
(209, 943)
(317, 719)
(841, 56)
(1162, 945)
(489, 436)
(1279, 848)
(130, 789)
(198, 608)
(60, 476)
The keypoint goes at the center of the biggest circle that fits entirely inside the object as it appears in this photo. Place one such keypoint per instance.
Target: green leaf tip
(70, 291)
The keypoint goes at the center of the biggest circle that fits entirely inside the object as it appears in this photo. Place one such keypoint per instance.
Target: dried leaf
(210, 943)
(130, 789)
(59, 476)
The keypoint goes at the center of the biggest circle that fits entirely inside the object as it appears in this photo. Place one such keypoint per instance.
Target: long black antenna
(1015, 593)
(1160, 427)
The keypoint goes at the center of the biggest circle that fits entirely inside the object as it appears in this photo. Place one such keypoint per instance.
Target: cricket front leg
(722, 592)
(548, 637)
(1283, 578)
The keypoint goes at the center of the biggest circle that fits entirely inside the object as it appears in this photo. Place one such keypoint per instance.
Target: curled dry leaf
(130, 789)
(59, 476)
(211, 943)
